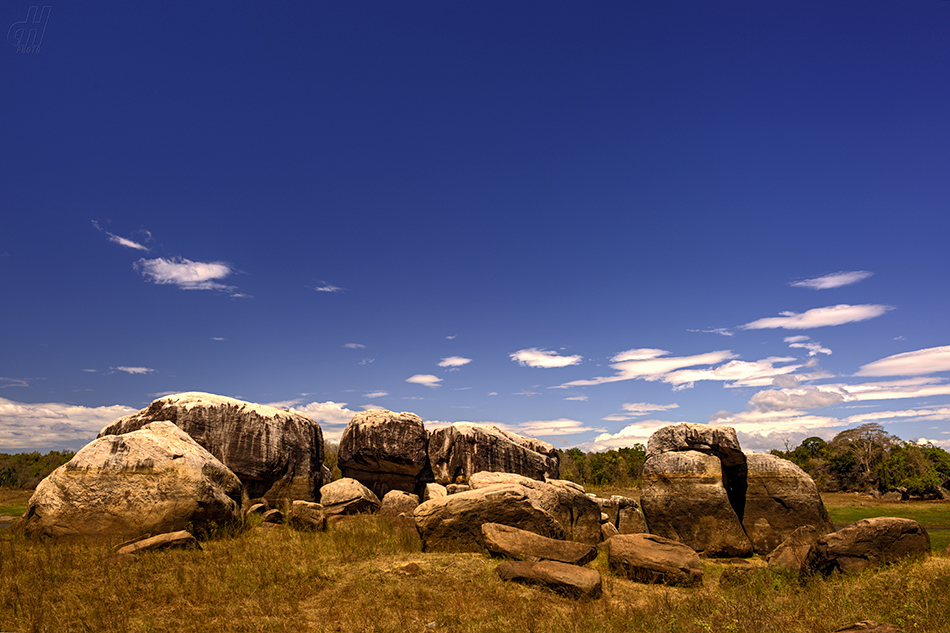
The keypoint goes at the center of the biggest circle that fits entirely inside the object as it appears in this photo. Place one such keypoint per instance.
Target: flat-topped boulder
(277, 454)
(153, 480)
(384, 450)
(569, 580)
(462, 449)
(652, 559)
(348, 496)
(454, 523)
(867, 543)
(512, 542)
(684, 499)
(780, 498)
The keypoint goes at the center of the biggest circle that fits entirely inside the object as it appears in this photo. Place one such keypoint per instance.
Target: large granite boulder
(720, 441)
(792, 552)
(652, 559)
(462, 449)
(684, 499)
(454, 523)
(150, 481)
(867, 543)
(348, 496)
(277, 454)
(577, 513)
(780, 498)
(570, 580)
(384, 450)
(512, 542)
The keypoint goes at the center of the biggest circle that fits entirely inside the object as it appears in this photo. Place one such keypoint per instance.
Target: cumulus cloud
(922, 361)
(332, 417)
(636, 433)
(53, 425)
(819, 317)
(534, 357)
(804, 398)
(561, 426)
(454, 361)
(134, 370)
(795, 398)
(425, 379)
(184, 273)
(834, 280)
(804, 342)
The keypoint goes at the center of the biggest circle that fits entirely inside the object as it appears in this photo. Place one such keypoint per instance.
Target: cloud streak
(427, 380)
(834, 280)
(534, 357)
(819, 317)
(184, 273)
(454, 361)
(918, 362)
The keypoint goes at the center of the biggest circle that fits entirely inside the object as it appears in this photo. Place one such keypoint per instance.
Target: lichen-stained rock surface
(150, 481)
(384, 450)
(652, 559)
(577, 513)
(867, 543)
(277, 454)
(791, 552)
(348, 496)
(780, 498)
(684, 499)
(454, 523)
(459, 450)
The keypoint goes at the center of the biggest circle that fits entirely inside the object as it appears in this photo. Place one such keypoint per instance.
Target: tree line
(25, 470)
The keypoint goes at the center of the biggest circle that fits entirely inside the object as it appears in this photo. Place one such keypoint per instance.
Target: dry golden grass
(355, 578)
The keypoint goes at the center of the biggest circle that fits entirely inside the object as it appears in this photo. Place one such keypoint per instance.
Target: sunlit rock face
(150, 481)
(277, 454)
(462, 449)
(384, 451)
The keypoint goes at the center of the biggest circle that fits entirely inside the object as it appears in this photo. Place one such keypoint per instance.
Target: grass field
(354, 578)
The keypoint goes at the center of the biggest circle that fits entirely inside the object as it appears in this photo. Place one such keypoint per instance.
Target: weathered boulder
(395, 502)
(710, 439)
(569, 580)
(459, 450)
(684, 499)
(792, 551)
(181, 539)
(275, 453)
(607, 530)
(867, 543)
(630, 520)
(433, 491)
(308, 516)
(504, 540)
(649, 558)
(384, 450)
(454, 522)
(780, 498)
(272, 516)
(151, 481)
(348, 496)
(577, 513)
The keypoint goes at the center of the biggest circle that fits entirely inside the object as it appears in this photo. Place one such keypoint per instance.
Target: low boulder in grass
(454, 523)
(792, 551)
(504, 540)
(396, 502)
(569, 580)
(868, 626)
(867, 543)
(652, 559)
(348, 496)
(308, 516)
(182, 539)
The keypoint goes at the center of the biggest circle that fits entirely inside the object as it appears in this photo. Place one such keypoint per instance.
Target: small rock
(273, 516)
(171, 540)
(868, 626)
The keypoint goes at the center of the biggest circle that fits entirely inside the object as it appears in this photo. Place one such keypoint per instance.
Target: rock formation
(504, 540)
(653, 559)
(275, 453)
(867, 543)
(462, 449)
(384, 451)
(780, 498)
(150, 481)
(348, 496)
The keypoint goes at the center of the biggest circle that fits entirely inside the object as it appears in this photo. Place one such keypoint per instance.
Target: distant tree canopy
(620, 467)
(25, 470)
(868, 458)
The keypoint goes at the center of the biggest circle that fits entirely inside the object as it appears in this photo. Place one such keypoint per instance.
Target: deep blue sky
(311, 203)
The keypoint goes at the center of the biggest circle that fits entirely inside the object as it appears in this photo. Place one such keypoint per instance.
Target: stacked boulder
(385, 451)
(277, 454)
(700, 489)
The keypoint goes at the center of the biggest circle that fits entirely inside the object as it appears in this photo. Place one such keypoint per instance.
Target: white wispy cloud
(376, 394)
(325, 287)
(133, 370)
(534, 357)
(12, 382)
(819, 317)
(834, 280)
(722, 331)
(636, 409)
(811, 397)
(922, 361)
(354, 346)
(577, 398)
(804, 342)
(53, 425)
(561, 426)
(650, 364)
(427, 380)
(454, 361)
(218, 338)
(184, 273)
(636, 433)
(116, 239)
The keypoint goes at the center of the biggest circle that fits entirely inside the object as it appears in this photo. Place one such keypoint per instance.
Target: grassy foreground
(367, 575)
